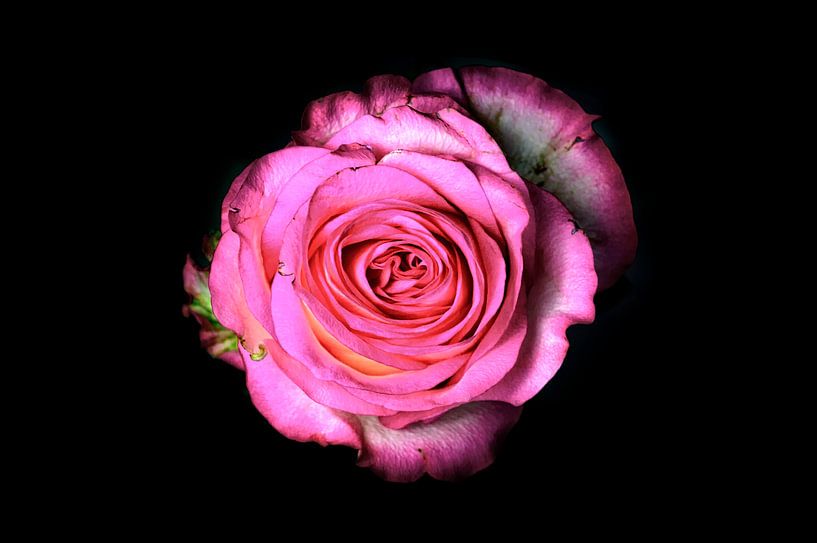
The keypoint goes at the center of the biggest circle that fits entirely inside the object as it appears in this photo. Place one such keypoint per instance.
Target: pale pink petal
(451, 447)
(562, 296)
(403, 128)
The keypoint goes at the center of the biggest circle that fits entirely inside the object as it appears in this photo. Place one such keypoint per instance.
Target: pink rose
(396, 286)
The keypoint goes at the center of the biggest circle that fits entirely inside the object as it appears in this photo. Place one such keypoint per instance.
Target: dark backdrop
(609, 418)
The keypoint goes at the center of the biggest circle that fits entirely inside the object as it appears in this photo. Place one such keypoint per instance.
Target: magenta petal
(403, 128)
(404, 418)
(561, 296)
(229, 304)
(552, 143)
(326, 116)
(453, 446)
(385, 91)
(432, 103)
(326, 393)
(254, 192)
(549, 140)
(292, 412)
(238, 280)
(442, 81)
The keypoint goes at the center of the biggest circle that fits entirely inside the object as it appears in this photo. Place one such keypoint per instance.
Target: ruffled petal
(442, 81)
(561, 296)
(549, 140)
(326, 116)
(451, 447)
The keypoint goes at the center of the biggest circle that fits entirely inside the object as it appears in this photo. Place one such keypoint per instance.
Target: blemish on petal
(578, 139)
(255, 355)
(281, 270)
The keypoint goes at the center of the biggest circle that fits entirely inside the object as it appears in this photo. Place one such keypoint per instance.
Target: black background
(609, 420)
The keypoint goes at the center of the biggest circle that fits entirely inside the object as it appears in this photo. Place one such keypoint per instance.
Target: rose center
(399, 272)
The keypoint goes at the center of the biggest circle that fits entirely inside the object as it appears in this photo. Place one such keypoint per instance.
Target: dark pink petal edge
(549, 140)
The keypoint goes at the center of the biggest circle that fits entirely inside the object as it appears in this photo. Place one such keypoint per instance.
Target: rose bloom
(400, 278)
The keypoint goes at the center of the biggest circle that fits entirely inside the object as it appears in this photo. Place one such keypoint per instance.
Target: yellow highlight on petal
(345, 354)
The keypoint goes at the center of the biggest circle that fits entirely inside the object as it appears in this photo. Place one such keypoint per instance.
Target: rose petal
(562, 296)
(404, 418)
(254, 192)
(326, 116)
(428, 103)
(327, 393)
(247, 204)
(235, 186)
(490, 369)
(227, 293)
(452, 180)
(292, 412)
(498, 350)
(454, 446)
(443, 81)
(297, 192)
(271, 193)
(467, 290)
(293, 334)
(403, 128)
(549, 140)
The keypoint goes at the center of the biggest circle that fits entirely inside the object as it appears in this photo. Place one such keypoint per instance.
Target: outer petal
(549, 140)
(454, 446)
(403, 128)
(562, 295)
(229, 305)
(292, 412)
(326, 116)
(238, 255)
(443, 81)
(252, 194)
